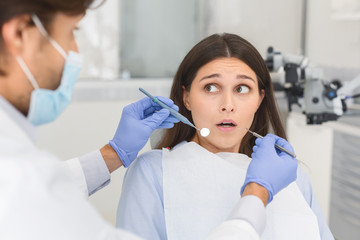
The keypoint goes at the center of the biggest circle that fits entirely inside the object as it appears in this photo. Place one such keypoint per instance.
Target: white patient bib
(201, 188)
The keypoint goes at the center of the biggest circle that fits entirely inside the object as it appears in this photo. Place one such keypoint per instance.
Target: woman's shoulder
(302, 178)
(304, 183)
(150, 155)
(145, 170)
(149, 162)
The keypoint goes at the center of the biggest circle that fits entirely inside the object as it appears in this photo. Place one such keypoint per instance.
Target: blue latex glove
(270, 167)
(137, 122)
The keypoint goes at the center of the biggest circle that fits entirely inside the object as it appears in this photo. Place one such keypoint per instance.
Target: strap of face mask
(43, 31)
(27, 72)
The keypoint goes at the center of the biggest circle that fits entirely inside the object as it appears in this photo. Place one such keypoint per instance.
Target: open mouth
(225, 124)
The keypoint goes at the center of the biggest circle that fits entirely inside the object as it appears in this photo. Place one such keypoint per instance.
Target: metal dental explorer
(172, 111)
(276, 145)
(204, 131)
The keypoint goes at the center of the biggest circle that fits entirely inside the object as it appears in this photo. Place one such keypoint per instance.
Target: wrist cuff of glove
(122, 154)
(260, 182)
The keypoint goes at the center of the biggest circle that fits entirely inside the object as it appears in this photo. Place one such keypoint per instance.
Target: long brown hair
(209, 49)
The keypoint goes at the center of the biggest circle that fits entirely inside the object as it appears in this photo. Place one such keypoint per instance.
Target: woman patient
(190, 184)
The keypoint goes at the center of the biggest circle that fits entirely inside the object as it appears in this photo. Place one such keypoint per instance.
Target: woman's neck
(212, 147)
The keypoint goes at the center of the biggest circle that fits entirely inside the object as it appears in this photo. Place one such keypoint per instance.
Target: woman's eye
(211, 88)
(242, 89)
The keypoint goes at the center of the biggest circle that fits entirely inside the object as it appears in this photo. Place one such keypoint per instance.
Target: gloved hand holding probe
(266, 160)
(137, 122)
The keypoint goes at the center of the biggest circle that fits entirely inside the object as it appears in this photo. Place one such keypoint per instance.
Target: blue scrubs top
(141, 205)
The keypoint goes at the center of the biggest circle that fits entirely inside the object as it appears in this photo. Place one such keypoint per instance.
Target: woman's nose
(228, 103)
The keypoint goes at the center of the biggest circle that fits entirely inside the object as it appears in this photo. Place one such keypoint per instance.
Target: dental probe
(276, 145)
(204, 131)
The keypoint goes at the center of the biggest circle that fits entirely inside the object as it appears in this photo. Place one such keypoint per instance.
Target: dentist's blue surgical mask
(46, 105)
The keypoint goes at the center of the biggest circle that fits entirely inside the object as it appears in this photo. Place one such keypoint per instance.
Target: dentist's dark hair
(44, 9)
(224, 46)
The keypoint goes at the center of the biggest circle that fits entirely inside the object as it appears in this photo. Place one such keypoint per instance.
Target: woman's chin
(221, 146)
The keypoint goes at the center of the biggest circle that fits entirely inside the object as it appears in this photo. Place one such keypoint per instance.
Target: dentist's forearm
(111, 158)
(258, 191)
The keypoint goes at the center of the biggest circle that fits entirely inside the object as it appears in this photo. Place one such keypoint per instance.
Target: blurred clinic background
(129, 44)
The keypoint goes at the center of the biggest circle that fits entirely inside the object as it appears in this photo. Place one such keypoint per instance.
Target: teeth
(227, 124)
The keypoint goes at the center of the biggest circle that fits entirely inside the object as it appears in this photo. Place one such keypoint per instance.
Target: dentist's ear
(15, 35)
(186, 98)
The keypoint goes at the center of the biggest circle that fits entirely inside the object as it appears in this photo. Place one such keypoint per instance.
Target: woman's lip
(226, 129)
(227, 121)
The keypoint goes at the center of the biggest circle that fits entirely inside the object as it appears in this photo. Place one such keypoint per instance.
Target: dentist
(43, 198)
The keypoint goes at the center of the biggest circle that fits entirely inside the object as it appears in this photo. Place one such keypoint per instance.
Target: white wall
(263, 23)
(99, 41)
(331, 41)
(274, 23)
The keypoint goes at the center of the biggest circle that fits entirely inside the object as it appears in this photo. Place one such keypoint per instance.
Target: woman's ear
(186, 98)
(261, 98)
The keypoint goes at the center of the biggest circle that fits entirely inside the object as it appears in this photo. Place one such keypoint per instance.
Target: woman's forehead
(224, 66)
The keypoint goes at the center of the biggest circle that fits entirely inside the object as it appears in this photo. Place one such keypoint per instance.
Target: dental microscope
(319, 99)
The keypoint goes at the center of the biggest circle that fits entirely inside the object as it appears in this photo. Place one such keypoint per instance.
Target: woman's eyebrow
(211, 76)
(240, 76)
(243, 76)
